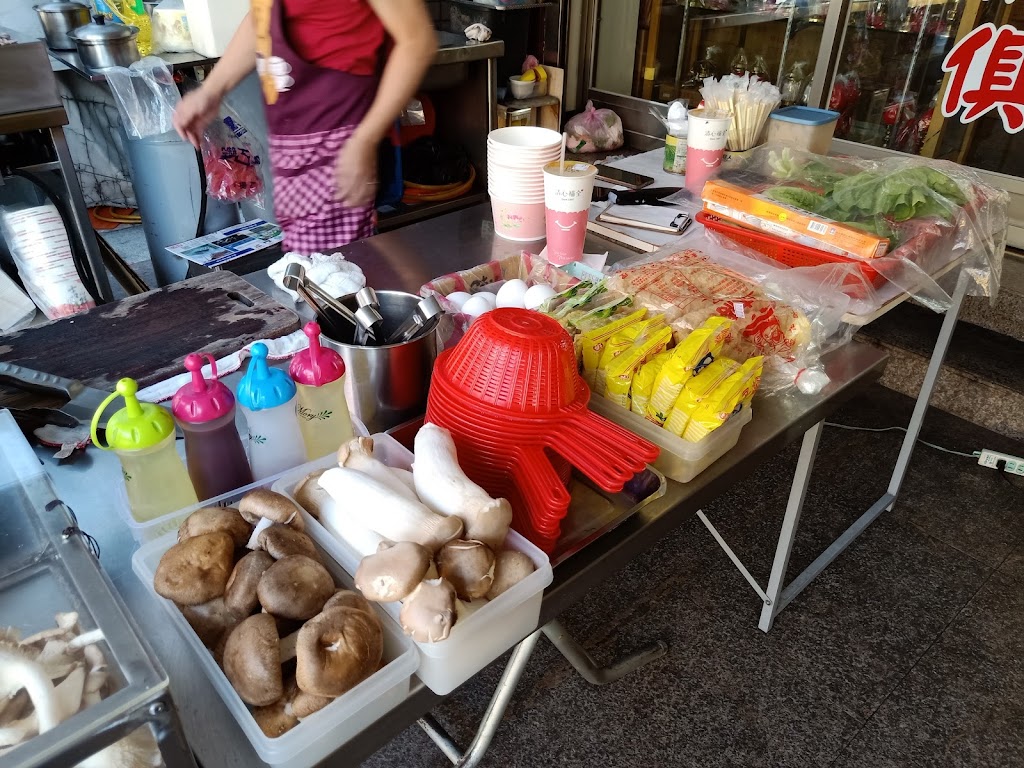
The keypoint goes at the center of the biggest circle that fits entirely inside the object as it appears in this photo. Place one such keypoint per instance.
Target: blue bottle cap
(263, 387)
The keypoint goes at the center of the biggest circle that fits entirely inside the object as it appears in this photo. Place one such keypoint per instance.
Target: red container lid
(316, 365)
(202, 400)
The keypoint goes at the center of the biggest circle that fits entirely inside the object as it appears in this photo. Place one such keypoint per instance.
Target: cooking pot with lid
(101, 45)
(60, 18)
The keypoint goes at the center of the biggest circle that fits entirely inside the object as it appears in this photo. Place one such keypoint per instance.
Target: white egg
(511, 294)
(489, 297)
(458, 298)
(537, 295)
(476, 305)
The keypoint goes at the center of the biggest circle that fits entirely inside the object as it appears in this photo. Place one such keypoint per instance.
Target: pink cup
(705, 145)
(521, 222)
(567, 191)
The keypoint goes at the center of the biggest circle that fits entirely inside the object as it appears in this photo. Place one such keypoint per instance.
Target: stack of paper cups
(705, 147)
(568, 188)
(516, 157)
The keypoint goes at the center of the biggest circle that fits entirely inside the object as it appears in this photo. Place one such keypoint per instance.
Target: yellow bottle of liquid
(142, 436)
(321, 407)
(133, 13)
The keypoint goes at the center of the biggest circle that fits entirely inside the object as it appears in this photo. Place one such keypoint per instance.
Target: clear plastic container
(324, 732)
(804, 128)
(478, 638)
(680, 460)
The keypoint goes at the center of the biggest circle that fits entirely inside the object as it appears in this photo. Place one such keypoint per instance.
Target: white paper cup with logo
(705, 145)
(568, 188)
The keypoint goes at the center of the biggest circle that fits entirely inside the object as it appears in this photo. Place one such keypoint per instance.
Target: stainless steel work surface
(30, 100)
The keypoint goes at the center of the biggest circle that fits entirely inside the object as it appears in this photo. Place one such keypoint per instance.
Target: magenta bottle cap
(201, 400)
(316, 365)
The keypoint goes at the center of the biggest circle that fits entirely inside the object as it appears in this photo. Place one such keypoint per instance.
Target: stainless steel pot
(59, 19)
(387, 386)
(101, 45)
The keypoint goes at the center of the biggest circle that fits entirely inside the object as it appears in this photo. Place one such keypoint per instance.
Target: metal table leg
(83, 229)
(583, 663)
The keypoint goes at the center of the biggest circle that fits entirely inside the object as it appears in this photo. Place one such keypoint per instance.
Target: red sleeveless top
(345, 35)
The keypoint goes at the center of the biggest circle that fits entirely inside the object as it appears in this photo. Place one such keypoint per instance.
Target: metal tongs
(367, 297)
(366, 320)
(425, 317)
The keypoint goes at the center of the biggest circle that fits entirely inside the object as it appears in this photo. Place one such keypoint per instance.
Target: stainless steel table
(405, 259)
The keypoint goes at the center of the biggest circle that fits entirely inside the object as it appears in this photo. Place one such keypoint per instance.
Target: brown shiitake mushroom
(393, 571)
(252, 660)
(310, 496)
(240, 592)
(347, 598)
(196, 570)
(210, 620)
(210, 519)
(428, 614)
(279, 717)
(282, 540)
(468, 565)
(510, 567)
(305, 704)
(337, 650)
(295, 587)
(263, 502)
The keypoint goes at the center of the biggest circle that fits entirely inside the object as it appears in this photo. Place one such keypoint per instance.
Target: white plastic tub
(679, 459)
(477, 639)
(325, 731)
(804, 128)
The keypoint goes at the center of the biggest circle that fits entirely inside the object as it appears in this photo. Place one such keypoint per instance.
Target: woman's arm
(415, 44)
(199, 108)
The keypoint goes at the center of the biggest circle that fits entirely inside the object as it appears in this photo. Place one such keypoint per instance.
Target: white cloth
(478, 32)
(332, 273)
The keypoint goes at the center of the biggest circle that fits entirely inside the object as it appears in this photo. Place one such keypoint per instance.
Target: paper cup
(705, 145)
(568, 188)
(518, 221)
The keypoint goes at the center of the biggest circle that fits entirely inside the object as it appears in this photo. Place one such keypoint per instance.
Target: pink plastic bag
(232, 168)
(594, 130)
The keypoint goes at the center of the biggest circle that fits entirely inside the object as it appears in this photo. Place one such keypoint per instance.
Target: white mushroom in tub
(358, 454)
(428, 614)
(19, 670)
(393, 571)
(444, 487)
(468, 566)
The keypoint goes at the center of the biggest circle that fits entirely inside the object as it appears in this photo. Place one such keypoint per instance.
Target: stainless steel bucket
(387, 386)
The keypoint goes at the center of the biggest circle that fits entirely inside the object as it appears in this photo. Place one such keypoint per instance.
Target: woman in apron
(329, 104)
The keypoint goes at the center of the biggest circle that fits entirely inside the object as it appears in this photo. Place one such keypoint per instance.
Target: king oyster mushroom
(428, 614)
(252, 660)
(269, 505)
(196, 570)
(393, 571)
(282, 540)
(295, 587)
(337, 650)
(510, 567)
(310, 496)
(210, 519)
(468, 565)
(240, 592)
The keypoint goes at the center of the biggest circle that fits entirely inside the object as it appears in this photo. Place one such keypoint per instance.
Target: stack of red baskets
(512, 397)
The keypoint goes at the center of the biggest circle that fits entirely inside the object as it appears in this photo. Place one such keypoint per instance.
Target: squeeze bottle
(142, 436)
(322, 410)
(267, 398)
(205, 411)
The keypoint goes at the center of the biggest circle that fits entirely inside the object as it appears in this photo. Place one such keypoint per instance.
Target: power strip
(1014, 464)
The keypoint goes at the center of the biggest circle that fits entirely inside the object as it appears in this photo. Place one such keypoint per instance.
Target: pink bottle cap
(316, 366)
(201, 400)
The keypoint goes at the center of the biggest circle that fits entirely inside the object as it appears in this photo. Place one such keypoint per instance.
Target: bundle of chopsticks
(748, 99)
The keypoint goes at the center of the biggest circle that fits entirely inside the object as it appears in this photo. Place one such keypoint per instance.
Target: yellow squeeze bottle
(142, 436)
(321, 407)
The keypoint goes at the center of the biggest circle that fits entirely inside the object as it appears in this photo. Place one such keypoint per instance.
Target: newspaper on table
(229, 244)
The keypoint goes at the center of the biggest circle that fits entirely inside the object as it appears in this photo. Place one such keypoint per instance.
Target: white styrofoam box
(212, 23)
(679, 459)
(322, 733)
(480, 635)
(158, 526)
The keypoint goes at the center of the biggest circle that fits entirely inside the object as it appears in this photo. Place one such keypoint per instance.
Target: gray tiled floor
(909, 651)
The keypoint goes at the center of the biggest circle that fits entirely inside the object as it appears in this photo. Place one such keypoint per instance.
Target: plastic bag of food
(734, 393)
(233, 169)
(617, 343)
(592, 342)
(652, 341)
(643, 382)
(170, 28)
(691, 356)
(594, 130)
(39, 244)
(696, 389)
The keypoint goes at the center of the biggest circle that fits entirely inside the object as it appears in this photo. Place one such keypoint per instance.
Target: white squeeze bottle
(142, 436)
(322, 410)
(267, 398)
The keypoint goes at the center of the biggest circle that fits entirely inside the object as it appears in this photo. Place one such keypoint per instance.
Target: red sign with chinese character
(985, 74)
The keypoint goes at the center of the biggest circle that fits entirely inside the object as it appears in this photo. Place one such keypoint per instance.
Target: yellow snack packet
(734, 393)
(696, 390)
(643, 382)
(592, 342)
(619, 375)
(619, 342)
(691, 355)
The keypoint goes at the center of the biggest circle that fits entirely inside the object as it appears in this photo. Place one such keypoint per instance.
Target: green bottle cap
(137, 425)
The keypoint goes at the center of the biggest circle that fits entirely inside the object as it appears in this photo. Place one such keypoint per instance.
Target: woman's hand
(196, 110)
(355, 173)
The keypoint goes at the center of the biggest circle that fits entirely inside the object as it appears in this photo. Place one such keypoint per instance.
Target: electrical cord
(901, 429)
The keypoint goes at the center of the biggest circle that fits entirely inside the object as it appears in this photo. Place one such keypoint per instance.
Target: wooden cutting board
(147, 336)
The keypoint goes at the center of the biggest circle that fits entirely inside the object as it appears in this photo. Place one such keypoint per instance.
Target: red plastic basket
(792, 254)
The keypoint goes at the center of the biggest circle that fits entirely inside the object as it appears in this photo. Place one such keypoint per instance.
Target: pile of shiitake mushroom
(431, 538)
(252, 585)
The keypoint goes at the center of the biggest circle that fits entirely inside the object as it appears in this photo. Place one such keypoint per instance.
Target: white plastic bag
(594, 130)
(170, 28)
(39, 244)
(146, 96)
